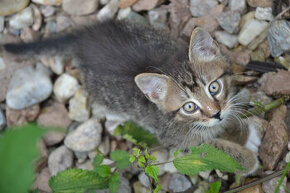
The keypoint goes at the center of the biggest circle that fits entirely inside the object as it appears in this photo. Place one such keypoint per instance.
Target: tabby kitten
(143, 74)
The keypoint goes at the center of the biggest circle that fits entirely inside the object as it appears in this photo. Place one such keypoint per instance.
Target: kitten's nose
(216, 115)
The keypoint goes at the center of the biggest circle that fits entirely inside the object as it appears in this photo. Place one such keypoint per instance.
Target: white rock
(143, 179)
(287, 158)
(194, 179)
(222, 175)
(57, 64)
(59, 160)
(264, 13)
(28, 86)
(77, 7)
(238, 5)
(85, 137)
(79, 107)
(251, 30)
(104, 2)
(1, 23)
(2, 64)
(109, 11)
(48, 2)
(169, 167)
(161, 156)
(205, 174)
(227, 39)
(22, 19)
(47, 10)
(199, 8)
(124, 13)
(65, 87)
(2, 120)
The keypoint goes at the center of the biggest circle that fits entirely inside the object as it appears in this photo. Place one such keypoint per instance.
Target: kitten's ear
(202, 46)
(154, 86)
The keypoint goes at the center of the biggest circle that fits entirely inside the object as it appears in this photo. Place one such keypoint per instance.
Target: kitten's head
(200, 95)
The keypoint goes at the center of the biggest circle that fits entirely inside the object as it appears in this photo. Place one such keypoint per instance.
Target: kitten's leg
(241, 154)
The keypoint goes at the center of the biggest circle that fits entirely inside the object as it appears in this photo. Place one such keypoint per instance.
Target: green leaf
(132, 158)
(153, 172)
(176, 153)
(136, 151)
(147, 154)
(136, 134)
(18, 151)
(142, 159)
(122, 158)
(214, 187)
(77, 181)
(158, 188)
(203, 158)
(114, 183)
(140, 163)
(103, 170)
(98, 160)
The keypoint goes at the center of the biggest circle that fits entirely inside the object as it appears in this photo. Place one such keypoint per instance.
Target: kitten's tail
(45, 46)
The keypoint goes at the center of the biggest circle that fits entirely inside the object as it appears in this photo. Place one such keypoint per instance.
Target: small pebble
(227, 39)
(158, 18)
(229, 21)
(264, 13)
(179, 183)
(22, 19)
(238, 5)
(79, 106)
(77, 7)
(48, 2)
(47, 11)
(124, 13)
(199, 8)
(109, 11)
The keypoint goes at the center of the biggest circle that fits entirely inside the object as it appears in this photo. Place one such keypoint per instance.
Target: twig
(269, 177)
(161, 163)
(282, 178)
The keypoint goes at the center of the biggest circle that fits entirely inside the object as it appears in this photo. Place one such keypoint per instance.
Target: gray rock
(79, 106)
(47, 11)
(82, 156)
(62, 22)
(28, 86)
(104, 2)
(77, 7)
(109, 11)
(124, 187)
(48, 2)
(179, 183)
(1, 23)
(137, 18)
(161, 155)
(52, 138)
(124, 13)
(65, 87)
(229, 21)
(238, 5)
(227, 39)
(85, 137)
(200, 7)
(2, 120)
(87, 165)
(143, 179)
(279, 37)
(205, 174)
(59, 160)
(264, 13)
(202, 187)
(22, 19)
(269, 186)
(158, 17)
(251, 30)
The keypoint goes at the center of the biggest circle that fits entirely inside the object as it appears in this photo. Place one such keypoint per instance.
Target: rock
(205, 174)
(42, 180)
(202, 187)
(275, 140)
(124, 13)
(60, 159)
(254, 189)
(109, 11)
(87, 165)
(222, 175)
(126, 3)
(20, 117)
(269, 186)
(227, 39)
(194, 179)
(82, 156)
(9, 7)
(79, 106)
(279, 37)
(86, 137)
(145, 5)
(65, 87)
(199, 8)
(139, 188)
(247, 17)
(124, 187)
(179, 15)
(62, 22)
(161, 155)
(22, 19)
(48, 2)
(137, 18)
(76, 7)
(236, 56)
(104, 2)
(158, 17)
(37, 18)
(169, 167)
(36, 88)
(251, 30)
(238, 5)
(260, 3)
(260, 96)
(2, 120)
(179, 183)
(1, 23)
(29, 35)
(104, 147)
(53, 138)
(287, 157)
(57, 64)
(276, 83)
(229, 21)
(143, 179)
(264, 13)
(47, 11)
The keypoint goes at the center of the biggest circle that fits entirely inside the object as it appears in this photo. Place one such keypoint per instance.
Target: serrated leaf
(103, 170)
(18, 151)
(136, 151)
(122, 158)
(140, 164)
(132, 159)
(204, 158)
(98, 160)
(153, 172)
(158, 188)
(114, 183)
(142, 159)
(214, 187)
(147, 154)
(77, 180)
(136, 134)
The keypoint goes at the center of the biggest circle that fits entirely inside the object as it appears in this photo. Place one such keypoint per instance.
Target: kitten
(143, 74)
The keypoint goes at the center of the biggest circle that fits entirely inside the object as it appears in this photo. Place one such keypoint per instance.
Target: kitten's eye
(190, 107)
(214, 88)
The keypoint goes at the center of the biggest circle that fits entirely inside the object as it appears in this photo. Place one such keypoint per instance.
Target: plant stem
(282, 178)
(161, 163)
(150, 185)
(269, 177)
